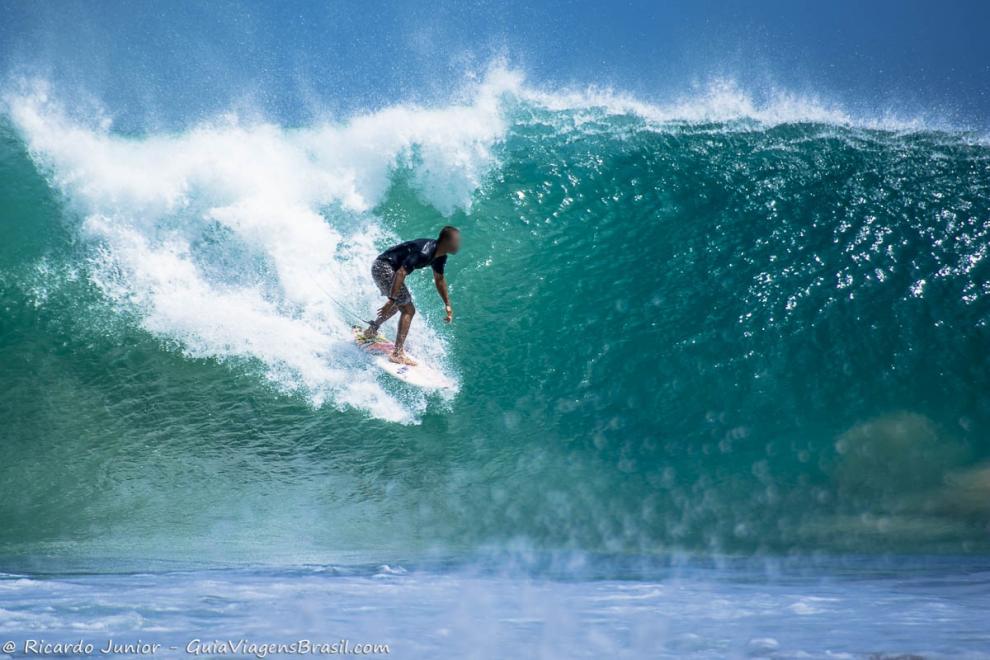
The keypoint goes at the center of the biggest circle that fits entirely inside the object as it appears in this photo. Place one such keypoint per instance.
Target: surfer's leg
(387, 311)
(383, 275)
(408, 311)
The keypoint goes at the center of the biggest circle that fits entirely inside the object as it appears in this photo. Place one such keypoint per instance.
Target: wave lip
(723, 101)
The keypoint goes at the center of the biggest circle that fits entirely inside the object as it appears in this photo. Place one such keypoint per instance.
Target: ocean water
(839, 609)
(721, 377)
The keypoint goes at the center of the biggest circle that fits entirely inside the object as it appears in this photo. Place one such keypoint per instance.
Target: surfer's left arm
(441, 283)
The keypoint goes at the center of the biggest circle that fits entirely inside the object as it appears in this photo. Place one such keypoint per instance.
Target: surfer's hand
(384, 308)
(450, 314)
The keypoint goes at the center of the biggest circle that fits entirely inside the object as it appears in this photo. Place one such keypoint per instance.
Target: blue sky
(181, 60)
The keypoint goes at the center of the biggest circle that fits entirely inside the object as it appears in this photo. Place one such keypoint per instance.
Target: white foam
(248, 241)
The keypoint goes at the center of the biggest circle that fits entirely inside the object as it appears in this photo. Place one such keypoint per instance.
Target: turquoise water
(711, 329)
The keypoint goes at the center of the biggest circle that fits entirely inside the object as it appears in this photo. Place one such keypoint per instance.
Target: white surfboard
(421, 375)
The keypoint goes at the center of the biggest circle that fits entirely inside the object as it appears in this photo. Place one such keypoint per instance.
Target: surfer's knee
(408, 310)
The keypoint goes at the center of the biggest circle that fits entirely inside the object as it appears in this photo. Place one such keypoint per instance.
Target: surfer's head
(450, 239)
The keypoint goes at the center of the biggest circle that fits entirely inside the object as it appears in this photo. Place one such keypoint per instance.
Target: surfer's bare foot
(402, 358)
(370, 333)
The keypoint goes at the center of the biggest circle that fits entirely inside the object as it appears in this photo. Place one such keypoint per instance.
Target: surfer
(389, 272)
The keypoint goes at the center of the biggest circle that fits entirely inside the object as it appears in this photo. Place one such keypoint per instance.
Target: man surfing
(389, 272)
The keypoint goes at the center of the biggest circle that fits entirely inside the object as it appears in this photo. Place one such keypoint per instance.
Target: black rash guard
(417, 253)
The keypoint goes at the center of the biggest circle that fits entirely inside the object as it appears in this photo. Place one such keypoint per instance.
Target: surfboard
(422, 375)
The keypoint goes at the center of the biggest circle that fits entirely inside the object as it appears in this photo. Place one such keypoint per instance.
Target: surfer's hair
(447, 232)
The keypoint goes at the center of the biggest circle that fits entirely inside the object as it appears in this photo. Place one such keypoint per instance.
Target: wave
(244, 240)
(716, 323)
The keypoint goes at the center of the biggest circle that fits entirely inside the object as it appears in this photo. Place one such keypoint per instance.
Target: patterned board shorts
(383, 274)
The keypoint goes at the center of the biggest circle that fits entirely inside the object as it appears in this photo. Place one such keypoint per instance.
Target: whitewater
(286, 214)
